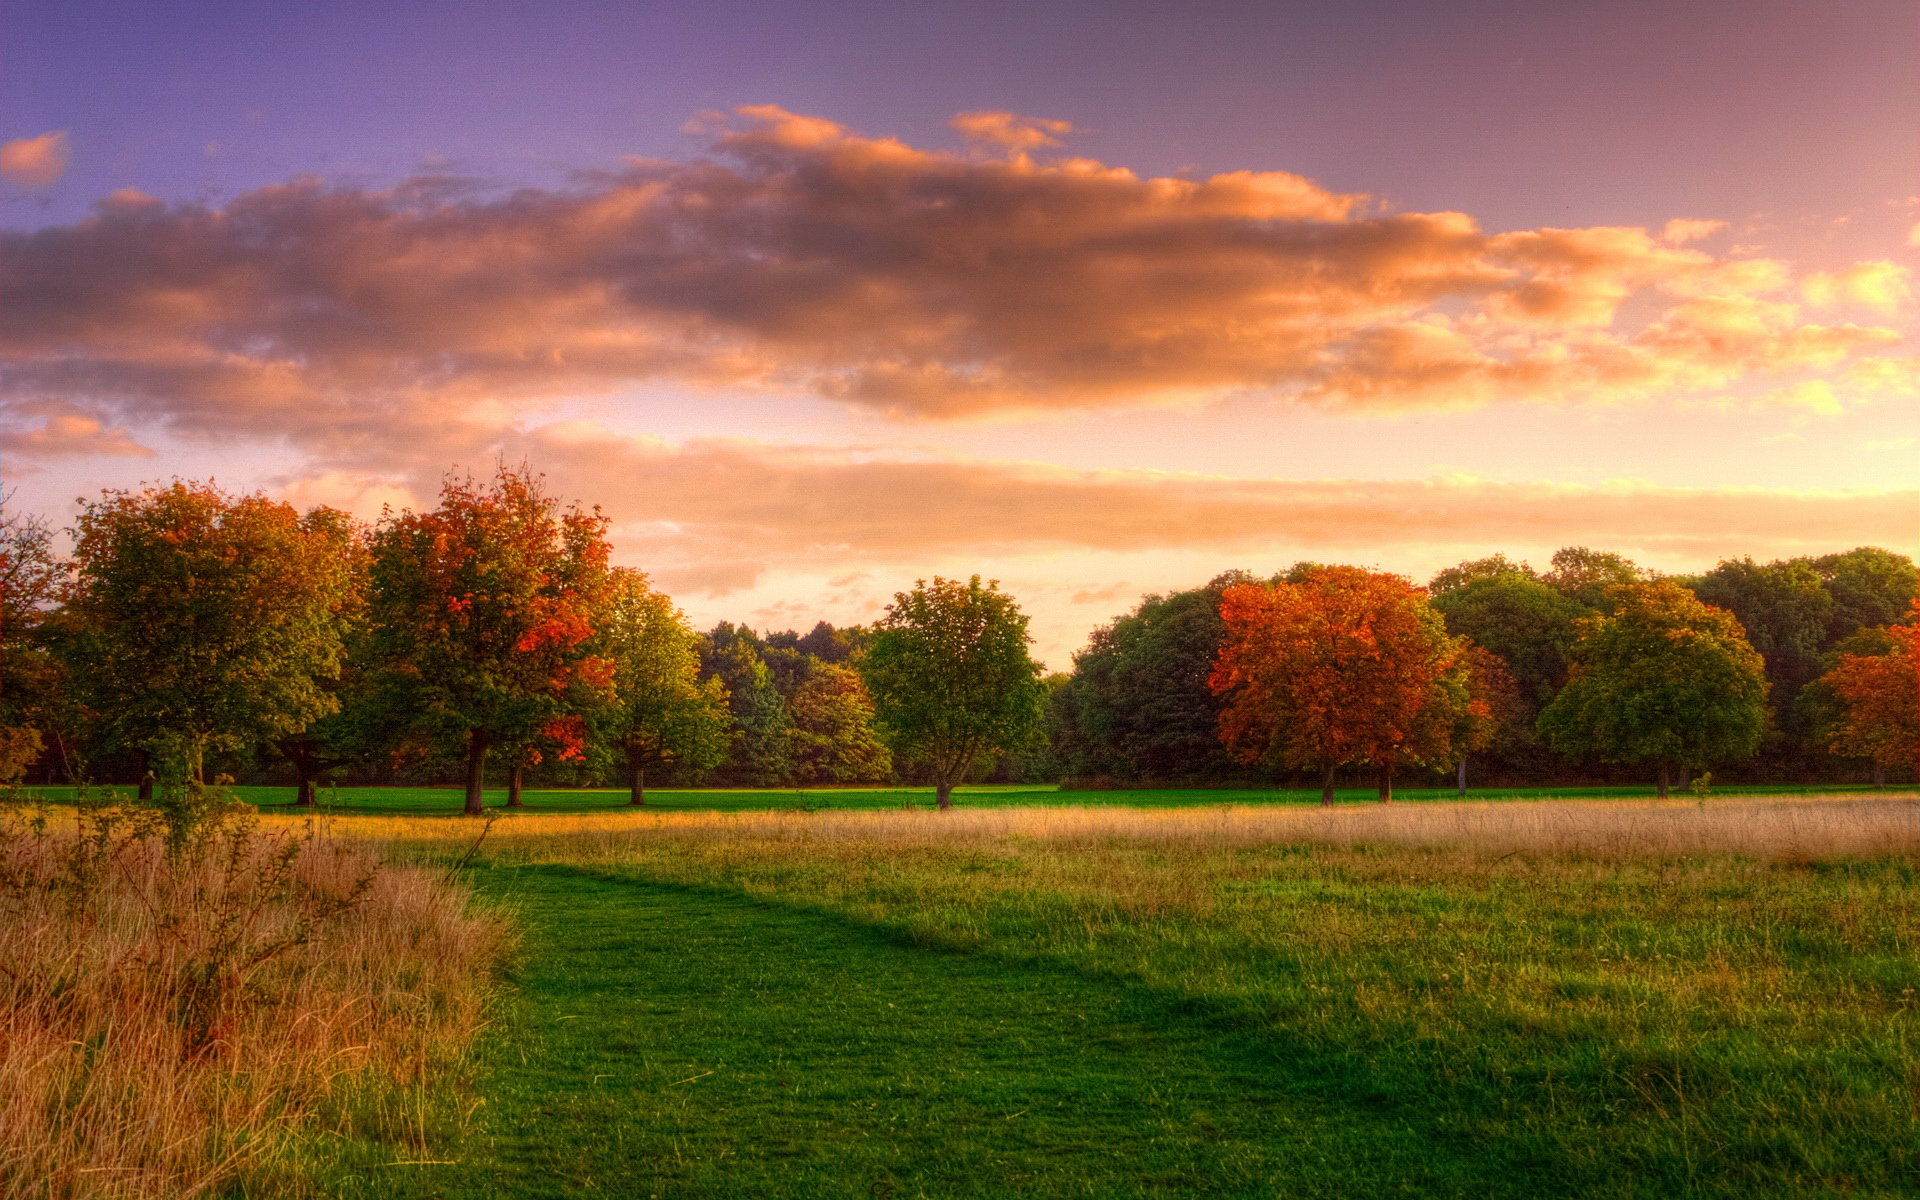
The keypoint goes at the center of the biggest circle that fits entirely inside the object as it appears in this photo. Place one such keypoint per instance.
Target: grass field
(1556, 999)
(398, 801)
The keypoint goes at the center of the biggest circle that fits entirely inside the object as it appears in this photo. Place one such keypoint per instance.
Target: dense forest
(193, 633)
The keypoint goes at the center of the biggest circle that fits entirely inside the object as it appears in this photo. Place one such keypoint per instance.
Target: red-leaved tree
(1881, 695)
(481, 613)
(1340, 665)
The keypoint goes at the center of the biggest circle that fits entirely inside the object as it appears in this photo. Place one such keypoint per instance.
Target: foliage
(1869, 587)
(207, 622)
(1663, 678)
(1528, 624)
(834, 739)
(761, 753)
(660, 712)
(1786, 611)
(951, 677)
(1588, 577)
(1879, 698)
(1343, 666)
(1137, 707)
(482, 617)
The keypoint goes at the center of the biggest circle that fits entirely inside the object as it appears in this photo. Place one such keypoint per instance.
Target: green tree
(761, 752)
(1786, 611)
(1870, 588)
(1479, 570)
(1137, 706)
(207, 622)
(834, 739)
(1588, 577)
(660, 712)
(951, 677)
(1528, 624)
(481, 613)
(1664, 678)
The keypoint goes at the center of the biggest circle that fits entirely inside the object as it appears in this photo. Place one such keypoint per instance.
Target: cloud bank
(714, 515)
(804, 258)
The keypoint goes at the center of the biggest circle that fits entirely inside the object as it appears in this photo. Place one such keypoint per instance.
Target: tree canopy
(1338, 665)
(205, 620)
(1663, 678)
(482, 610)
(659, 711)
(952, 678)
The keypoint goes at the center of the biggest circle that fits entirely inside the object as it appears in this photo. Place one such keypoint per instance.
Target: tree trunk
(1879, 775)
(1460, 778)
(636, 782)
(1663, 780)
(1326, 788)
(146, 786)
(943, 794)
(305, 797)
(1386, 783)
(513, 784)
(476, 773)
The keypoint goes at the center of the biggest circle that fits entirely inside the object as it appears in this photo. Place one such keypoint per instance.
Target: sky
(1099, 300)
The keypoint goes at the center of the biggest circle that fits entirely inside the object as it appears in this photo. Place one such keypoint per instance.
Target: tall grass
(181, 1002)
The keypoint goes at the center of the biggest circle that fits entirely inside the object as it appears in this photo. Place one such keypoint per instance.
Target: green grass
(724, 1012)
(429, 801)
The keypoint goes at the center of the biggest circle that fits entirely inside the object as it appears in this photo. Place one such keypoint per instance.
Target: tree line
(491, 639)
(1801, 669)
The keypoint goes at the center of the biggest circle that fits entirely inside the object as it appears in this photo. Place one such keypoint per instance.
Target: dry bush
(177, 1005)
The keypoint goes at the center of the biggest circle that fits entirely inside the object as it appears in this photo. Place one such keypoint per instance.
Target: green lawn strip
(429, 801)
(674, 1041)
(681, 1039)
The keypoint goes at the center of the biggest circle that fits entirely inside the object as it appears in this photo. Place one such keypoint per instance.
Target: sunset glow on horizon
(818, 302)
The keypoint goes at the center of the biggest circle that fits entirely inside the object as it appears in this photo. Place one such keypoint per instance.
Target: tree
(207, 622)
(1880, 699)
(1528, 624)
(481, 613)
(1786, 611)
(1870, 587)
(951, 677)
(1480, 570)
(1338, 665)
(1664, 678)
(1588, 577)
(1138, 705)
(31, 578)
(761, 751)
(660, 711)
(834, 738)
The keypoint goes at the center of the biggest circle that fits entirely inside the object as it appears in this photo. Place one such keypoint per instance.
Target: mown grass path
(676, 1042)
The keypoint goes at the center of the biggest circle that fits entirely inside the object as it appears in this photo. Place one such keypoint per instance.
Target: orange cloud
(66, 434)
(35, 162)
(806, 258)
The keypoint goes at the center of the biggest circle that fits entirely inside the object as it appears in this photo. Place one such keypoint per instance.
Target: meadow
(1565, 997)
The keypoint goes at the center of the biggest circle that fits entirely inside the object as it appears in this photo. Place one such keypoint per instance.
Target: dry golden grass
(170, 1017)
(1804, 827)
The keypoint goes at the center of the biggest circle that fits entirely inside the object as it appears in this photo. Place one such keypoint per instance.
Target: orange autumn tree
(1341, 665)
(1881, 697)
(482, 614)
